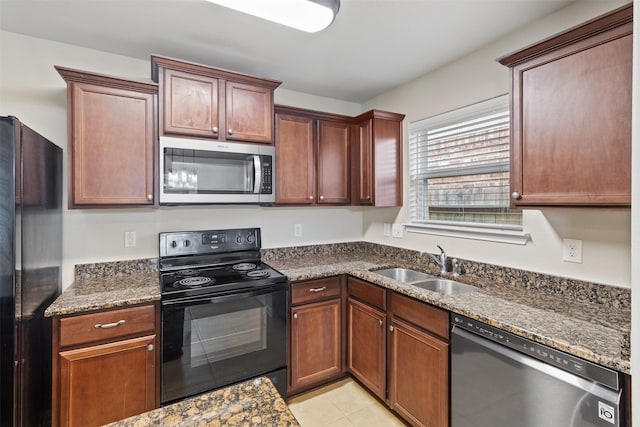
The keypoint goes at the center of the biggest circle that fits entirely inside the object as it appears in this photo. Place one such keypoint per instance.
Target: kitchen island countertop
(255, 402)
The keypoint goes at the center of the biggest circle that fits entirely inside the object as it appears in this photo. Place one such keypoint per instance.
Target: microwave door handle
(257, 171)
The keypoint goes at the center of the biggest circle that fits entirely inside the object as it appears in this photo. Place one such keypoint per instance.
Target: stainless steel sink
(404, 275)
(444, 286)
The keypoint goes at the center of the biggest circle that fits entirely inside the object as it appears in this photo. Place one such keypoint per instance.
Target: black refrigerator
(30, 270)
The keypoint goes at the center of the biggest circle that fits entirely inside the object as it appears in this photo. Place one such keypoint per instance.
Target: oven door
(211, 342)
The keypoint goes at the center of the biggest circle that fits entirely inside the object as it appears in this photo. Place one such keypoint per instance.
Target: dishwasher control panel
(557, 358)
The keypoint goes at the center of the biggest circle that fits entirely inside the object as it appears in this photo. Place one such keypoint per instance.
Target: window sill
(511, 235)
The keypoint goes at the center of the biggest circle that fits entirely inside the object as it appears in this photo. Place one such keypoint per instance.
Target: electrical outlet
(572, 250)
(386, 229)
(396, 231)
(297, 230)
(129, 239)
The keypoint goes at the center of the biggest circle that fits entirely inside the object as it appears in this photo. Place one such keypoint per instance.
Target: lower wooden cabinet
(398, 348)
(106, 366)
(418, 375)
(316, 349)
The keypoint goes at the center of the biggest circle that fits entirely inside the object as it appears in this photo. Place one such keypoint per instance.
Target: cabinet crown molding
(615, 18)
(71, 75)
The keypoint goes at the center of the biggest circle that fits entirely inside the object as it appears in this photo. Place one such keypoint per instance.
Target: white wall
(476, 77)
(32, 90)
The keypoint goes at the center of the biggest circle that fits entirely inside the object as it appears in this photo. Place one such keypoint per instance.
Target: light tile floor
(344, 403)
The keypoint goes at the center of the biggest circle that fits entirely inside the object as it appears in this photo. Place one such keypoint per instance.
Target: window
(459, 170)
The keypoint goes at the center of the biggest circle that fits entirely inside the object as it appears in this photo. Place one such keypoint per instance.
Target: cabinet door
(366, 344)
(112, 153)
(315, 344)
(249, 112)
(365, 163)
(333, 163)
(572, 125)
(108, 382)
(418, 375)
(190, 104)
(295, 160)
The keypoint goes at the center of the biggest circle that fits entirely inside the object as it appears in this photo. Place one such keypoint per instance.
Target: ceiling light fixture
(306, 15)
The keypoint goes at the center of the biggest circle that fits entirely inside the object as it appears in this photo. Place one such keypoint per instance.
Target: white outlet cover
(572, 250)
(396, 231)
(129, 239)
(297, 230)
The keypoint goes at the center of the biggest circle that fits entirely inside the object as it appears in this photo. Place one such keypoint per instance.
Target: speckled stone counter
(587, 320)
(251, 403)
(108, 285)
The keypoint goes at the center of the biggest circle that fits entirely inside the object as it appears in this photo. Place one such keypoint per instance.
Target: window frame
(495, 232)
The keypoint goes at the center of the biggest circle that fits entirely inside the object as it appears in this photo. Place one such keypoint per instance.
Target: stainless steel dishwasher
(502, 380)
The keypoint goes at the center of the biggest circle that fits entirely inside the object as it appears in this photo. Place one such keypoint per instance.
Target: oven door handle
(202, 299)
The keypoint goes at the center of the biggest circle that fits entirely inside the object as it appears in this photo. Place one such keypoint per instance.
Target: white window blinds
(459, 166)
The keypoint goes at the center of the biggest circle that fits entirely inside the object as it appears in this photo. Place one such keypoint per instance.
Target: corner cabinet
(316, 353)
(206, 102)
(105, 366)
(111, 128)
(312, 157)
(377, 159)
(571, 116)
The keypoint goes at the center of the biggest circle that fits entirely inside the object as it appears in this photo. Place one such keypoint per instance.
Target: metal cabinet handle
(318, 289)
(321, 197)
(215, 129)
(390, 328)
(230, 131)
(149, 197)
(295, 315)
(516, 196)
(108, 325)
(380, 321)
(310, 197)
(150, 347)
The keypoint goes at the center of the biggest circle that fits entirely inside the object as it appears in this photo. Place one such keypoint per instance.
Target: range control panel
(209, 242)
(551, 356)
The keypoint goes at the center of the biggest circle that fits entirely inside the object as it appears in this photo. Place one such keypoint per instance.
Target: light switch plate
(297, 230)
(386, 229)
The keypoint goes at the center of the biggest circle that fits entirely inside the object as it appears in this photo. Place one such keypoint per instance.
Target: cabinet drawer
(371, 294)
(106, 325)
(315, 290)
(421, 314)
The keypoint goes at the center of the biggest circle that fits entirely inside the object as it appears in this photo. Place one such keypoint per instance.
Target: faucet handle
(441, 250)
(455, 267)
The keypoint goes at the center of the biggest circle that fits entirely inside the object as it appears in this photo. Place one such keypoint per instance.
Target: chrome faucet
(440, 260)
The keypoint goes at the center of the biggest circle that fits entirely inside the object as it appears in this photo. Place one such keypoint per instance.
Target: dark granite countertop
(598, 331)
(251, 403)
(108, 285)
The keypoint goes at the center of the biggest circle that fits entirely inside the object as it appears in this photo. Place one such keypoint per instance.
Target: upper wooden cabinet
(571, 116)
(202, 101)
(377, 159)
(312, 157)
(111, 128)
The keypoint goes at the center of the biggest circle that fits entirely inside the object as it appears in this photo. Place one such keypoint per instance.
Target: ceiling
(371, 47)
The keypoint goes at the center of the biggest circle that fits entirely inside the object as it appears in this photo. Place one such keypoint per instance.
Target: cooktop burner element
(191, 282)
(244, 266)
(257, 274)
(213, 262)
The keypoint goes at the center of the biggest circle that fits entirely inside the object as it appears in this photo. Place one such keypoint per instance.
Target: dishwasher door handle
(557, 373)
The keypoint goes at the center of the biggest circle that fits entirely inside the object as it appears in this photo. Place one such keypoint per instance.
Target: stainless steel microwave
(200, 171)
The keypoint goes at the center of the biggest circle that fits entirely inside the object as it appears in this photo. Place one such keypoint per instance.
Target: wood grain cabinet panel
(418, 375)
(106, 366)
(366, 346)
(295, 159)
(111, 126)
(377, 159)
(312, 157)
(571, 116)
(205, 102)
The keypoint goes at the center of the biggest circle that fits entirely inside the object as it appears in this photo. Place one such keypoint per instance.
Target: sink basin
(444, 286)
(404, 275)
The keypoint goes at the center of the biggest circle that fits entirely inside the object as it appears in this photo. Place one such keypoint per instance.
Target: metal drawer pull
(324, 288)
(295, 315)
(380, 321)
(108, 325)
(390, 328)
